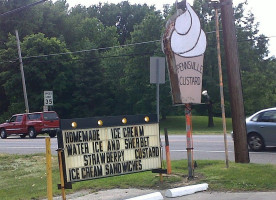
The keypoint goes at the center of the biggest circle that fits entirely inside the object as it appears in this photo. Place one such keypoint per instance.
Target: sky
(263, 10)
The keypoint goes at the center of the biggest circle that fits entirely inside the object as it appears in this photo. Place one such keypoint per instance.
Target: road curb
(182, 191)
(152, 196)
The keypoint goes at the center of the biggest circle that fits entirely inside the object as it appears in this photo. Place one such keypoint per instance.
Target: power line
(89, 50)
(21, 8)
(81, 51)
(96, 49)
(9, 61)
(103, 57)
(95, 58)
(118, 46)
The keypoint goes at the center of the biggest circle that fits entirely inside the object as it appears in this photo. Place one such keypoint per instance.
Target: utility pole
(22, 72)
(234, 82)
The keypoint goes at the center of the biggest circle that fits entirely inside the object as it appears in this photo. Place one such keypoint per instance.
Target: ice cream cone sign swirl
(187, 39)
(184, 43)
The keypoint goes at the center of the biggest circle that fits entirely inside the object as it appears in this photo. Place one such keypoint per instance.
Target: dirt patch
(177, 180)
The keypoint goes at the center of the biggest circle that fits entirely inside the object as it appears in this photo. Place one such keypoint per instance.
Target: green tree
(140, 93)
(50, 73)
(122, 15)
(10, 76)
(114, 63)
(41, 73)
(47, 18)
(256, 68)
(90, 97)
(92, 92)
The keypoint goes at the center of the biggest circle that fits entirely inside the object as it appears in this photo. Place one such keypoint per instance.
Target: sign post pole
(157, 76)
(49, 169)
(188, 115)
(61, 174)
(168, 155)
(157, 89)
(221, 87)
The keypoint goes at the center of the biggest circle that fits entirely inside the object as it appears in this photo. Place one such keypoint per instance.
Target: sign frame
(107, 122)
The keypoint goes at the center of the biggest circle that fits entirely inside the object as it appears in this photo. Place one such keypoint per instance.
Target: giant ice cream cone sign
(184, 44)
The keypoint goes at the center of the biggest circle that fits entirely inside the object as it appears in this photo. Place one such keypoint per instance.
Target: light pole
(210, 108)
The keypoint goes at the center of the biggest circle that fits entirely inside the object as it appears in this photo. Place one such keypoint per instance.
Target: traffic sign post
(157, 76)
(48, 100)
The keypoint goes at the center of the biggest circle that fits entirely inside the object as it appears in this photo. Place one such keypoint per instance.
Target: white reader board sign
(104, 147)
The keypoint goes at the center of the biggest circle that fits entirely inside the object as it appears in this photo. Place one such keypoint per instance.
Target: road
(206, 147)
(211, 147)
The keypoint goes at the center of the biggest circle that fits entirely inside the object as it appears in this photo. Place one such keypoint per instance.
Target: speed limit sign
(48, 98)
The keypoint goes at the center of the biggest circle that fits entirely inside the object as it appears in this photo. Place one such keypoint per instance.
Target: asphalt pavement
(206, 147)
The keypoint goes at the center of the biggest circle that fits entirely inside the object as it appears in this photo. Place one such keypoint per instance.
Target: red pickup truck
(31, 124)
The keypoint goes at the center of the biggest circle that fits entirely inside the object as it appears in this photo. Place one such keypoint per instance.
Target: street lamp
(210, 108)
(205, 93)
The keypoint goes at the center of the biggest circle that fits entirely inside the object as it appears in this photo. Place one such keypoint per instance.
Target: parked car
(31, 124)
(261, 129)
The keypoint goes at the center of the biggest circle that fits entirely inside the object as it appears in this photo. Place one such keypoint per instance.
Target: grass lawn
(177, 125)
(24, 177)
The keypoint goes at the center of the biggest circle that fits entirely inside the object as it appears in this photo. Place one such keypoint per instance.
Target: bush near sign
(92, 151)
